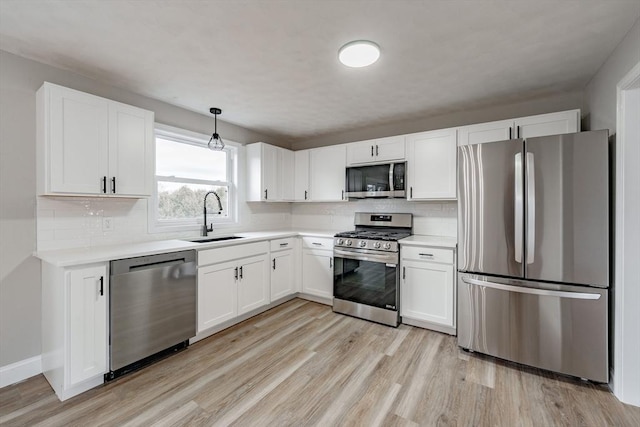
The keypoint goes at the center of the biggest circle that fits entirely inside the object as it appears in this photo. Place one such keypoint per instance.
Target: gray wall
(600, 103)
(19, 272)
(550, 104)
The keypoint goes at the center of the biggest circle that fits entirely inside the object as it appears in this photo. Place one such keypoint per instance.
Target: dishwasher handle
(132, 265)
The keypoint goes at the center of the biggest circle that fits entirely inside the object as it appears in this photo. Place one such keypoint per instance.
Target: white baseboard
(20, 370)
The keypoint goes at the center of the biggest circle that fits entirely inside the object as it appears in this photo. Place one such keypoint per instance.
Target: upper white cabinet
(376, 150)
(270, 172)
(88, 145)
(301, 175)
(327, 166)
(524, 127)
(74, 327)
(431, 165)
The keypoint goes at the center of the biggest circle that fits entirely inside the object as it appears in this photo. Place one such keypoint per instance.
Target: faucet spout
(205, 229)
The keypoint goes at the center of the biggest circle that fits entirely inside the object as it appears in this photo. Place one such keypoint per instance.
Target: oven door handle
(364, 255)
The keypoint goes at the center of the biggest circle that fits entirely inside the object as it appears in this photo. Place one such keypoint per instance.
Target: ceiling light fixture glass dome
(359, 53)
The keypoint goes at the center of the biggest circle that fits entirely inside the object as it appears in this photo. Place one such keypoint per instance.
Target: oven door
(366, 277)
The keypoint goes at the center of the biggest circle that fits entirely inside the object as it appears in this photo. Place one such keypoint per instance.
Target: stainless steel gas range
(366, 273)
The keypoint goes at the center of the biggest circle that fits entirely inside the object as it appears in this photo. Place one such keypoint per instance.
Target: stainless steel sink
(215, 239)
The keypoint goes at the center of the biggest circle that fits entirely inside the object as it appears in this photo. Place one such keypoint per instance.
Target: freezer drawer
(556, 327)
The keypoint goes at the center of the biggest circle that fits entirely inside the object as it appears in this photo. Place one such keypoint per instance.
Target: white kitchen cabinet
(376, 150)
(74, 327)
(431, 165)
(301, 175)
(317, 267)
(327, 173)
(231, 281)
(282, 268)
(88, 145)
(217, 294)
(270, 171)
(523, 127)
(427, 288)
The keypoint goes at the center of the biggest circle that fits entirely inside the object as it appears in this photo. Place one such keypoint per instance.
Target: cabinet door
(432, 165)
(282, 274)
(131, 154)
(217, 294)
(78, 132)
(486, 132)
(427, 292)
(253, 285)
(286, 172)
(87, 332)
(317, 273)
(270, 190)
(390, 149)
(548, 124)
(327, 165)
(361, 152)
(301, 175)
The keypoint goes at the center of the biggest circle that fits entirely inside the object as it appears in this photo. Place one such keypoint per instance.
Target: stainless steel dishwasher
(152, 308)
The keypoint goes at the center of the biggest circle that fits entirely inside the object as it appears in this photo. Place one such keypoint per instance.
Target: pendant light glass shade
(215, 143)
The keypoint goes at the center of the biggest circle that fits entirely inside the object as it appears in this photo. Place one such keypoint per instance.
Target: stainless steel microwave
(382, 181)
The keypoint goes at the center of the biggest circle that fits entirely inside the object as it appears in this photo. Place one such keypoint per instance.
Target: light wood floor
(301, 364)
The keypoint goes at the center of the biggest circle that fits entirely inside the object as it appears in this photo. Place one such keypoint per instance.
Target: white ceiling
(272, 65)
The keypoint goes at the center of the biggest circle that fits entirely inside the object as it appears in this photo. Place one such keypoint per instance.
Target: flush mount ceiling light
(359, 53)
(215, 143)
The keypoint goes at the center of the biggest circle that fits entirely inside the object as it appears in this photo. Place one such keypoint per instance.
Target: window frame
(183, 136)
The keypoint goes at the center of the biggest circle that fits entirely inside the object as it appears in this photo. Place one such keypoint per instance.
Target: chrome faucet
(205, 229)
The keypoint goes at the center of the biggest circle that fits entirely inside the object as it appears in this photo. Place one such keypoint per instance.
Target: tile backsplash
(76, 222)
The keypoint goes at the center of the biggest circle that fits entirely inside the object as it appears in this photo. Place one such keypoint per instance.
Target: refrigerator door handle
(531, 209)
(518, 202)
(532, 291)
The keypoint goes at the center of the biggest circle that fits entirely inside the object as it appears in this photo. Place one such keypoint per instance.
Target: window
(186, 170)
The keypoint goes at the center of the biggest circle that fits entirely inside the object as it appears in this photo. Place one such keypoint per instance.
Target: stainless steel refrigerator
(533, 261)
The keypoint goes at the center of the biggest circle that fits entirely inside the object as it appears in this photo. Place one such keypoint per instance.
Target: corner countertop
(97, 254)
(431, 241)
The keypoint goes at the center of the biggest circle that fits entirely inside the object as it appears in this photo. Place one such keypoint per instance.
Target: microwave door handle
(391, 188)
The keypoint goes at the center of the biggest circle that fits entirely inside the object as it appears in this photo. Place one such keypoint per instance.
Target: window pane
(185, 201)
(190, 161)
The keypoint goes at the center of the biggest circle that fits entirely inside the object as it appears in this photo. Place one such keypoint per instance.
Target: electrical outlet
(107, 223)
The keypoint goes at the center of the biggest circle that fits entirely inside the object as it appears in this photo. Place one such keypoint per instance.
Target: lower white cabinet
(74, 327)
(317, 267)
(427, 288)
(231, 281)
(282, 271)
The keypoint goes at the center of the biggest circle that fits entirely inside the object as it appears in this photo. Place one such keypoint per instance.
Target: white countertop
(90, 255)
(432, 241)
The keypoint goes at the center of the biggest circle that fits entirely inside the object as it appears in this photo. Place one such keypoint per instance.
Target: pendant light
(215, 143)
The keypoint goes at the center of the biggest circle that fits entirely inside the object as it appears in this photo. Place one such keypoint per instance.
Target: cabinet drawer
(228, 253)
(280, 244)
(427, 254)
(317, 243)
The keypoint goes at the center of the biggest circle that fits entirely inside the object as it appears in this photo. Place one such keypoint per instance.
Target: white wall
(20, 289)
(601, 95)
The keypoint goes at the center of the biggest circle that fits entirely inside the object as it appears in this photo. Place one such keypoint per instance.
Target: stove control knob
(362, 243)
(376, 245)
(348, 242)
(340, 241)
(387, 245)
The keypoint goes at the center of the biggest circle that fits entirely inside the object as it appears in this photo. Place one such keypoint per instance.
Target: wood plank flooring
(301, 364)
